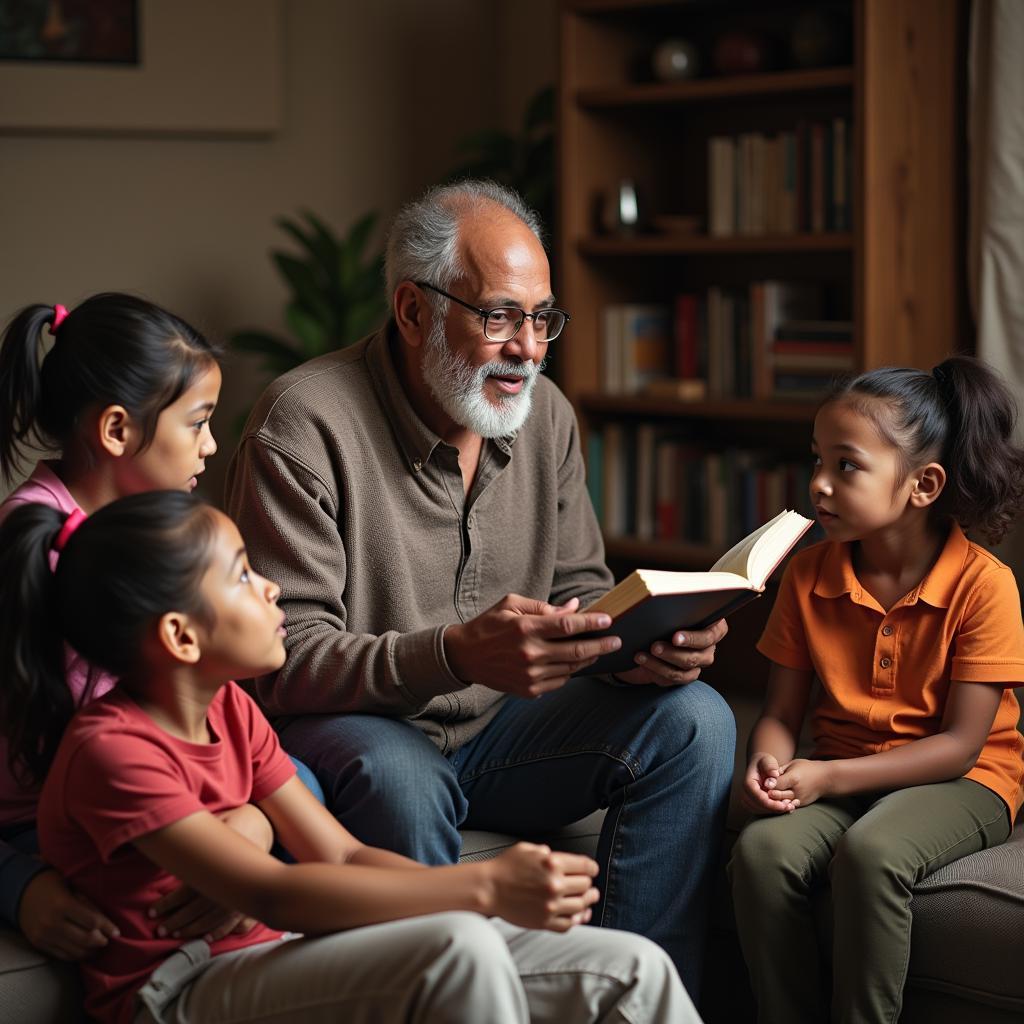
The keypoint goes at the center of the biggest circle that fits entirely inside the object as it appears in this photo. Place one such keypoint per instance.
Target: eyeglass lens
(502, 324)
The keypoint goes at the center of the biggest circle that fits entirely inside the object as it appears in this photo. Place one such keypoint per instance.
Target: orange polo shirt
(885, 675)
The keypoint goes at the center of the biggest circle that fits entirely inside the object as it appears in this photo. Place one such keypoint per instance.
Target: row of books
(646, 483)
(769, 340)
(791, 182)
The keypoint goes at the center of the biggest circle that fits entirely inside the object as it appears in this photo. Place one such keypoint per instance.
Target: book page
(757, 555)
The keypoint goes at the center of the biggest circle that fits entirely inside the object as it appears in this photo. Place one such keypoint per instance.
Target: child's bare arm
(949, 754)
(528, 885)
(773, 739)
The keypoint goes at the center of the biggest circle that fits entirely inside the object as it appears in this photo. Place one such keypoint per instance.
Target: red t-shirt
(118, 776)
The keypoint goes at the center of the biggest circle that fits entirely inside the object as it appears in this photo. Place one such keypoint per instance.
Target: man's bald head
(424, 241)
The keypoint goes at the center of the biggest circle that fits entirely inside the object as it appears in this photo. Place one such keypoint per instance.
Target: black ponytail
(123, 568)
(35, 702)
(961, 415)
(113, 349)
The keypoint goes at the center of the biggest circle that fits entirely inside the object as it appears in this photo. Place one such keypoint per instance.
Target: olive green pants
(872, 850)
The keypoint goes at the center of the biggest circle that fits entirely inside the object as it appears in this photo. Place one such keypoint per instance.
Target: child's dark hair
(113, 349)
(123, 568)
(960, 415)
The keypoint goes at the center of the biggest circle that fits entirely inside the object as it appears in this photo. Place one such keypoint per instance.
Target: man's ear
(177, 635)
(412, 314)
(115, 430)
(928, 484)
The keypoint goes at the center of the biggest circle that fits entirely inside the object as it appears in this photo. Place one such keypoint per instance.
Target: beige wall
(375, 96)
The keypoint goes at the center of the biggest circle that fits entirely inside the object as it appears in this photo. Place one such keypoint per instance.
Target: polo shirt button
(887, 631)
(885, 662)
(417, 465)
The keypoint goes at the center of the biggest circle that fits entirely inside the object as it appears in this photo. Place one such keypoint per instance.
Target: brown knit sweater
(358, 511)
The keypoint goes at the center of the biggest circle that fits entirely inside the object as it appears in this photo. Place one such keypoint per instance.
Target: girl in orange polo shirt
(915, 636)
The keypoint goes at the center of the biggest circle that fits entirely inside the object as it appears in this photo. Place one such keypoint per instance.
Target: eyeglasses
(503, 322)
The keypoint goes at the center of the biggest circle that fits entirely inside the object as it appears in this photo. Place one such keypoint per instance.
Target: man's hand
(526, 647)
(758, 785)
(59, 922)
(535, 888)
(671, 664)
(185, 913)
(801, 781)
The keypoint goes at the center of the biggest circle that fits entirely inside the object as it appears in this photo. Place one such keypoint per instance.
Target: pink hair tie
(59, 316)
(73, 522)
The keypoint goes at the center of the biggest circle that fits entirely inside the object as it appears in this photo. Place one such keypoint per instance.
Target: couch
(965, 951)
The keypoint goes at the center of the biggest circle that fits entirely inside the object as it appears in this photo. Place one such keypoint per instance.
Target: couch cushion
(968, 920)
(33, 988)
(580, 837)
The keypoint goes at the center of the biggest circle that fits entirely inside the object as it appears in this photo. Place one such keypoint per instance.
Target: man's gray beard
(458, 387)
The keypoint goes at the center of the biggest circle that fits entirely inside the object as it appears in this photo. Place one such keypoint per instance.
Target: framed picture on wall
(184, 67)
(85, 31)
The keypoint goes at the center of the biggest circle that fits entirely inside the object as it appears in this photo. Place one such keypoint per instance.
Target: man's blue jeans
(660, 759)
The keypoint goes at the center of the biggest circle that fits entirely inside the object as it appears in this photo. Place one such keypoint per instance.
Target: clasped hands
(528, 647)
(778, 789)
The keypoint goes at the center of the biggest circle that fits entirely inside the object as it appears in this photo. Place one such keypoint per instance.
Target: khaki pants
(455, 967)
(872, 851)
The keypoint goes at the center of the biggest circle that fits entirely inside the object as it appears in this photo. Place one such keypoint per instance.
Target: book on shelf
(815, 330)
(637, 346)
(650, 605)
(654, 484)
(782, 183)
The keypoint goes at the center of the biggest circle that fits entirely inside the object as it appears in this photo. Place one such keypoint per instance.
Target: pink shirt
(118, 776)
(43, 487)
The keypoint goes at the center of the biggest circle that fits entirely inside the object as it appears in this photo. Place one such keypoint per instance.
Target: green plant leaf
(326, 242)
(307, 285)
(363, 317)
(312, 333)
(278, 355)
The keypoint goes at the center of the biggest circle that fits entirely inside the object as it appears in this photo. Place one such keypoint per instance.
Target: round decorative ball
(740, 53)
(675, 59)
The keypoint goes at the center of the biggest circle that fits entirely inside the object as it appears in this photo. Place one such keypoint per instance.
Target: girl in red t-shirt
(157, 589)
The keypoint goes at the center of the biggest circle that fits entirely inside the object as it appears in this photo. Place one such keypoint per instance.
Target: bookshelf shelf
(600, 404)
(667, 245)
(655, 552)
(705, 90)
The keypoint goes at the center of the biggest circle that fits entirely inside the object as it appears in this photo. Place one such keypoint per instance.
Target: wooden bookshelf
(730, 409)
(631, 551)
(662, 245)
(704, 90)
(899, 267)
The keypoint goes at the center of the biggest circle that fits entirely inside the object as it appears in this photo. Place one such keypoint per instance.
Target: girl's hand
(536, 888)
(803, 781)
(759, 784)
(59, 922)
(184, 913)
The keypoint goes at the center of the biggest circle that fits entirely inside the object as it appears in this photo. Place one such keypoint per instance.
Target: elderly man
(420, 498)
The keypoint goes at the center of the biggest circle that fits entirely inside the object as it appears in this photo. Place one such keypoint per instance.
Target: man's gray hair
(423, 244)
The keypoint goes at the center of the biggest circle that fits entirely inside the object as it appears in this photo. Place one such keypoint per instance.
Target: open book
(650, 605)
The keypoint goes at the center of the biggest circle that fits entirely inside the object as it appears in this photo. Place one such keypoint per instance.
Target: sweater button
(417, 465)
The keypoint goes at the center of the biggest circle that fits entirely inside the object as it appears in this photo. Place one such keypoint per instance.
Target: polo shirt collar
(417, 440)
(836, 576)
(938, 587)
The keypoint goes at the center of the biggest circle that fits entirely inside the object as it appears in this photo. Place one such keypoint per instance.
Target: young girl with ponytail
(914, 633)
(124, 396)
(158, 590)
